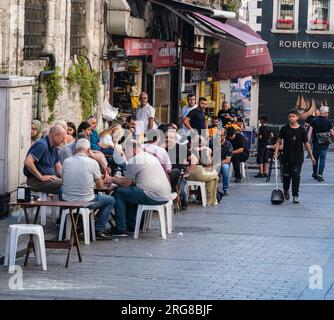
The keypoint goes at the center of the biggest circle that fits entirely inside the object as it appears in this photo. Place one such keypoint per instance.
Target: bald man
(42, 165)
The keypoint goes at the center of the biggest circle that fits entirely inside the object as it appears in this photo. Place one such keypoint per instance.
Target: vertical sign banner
(165, 54)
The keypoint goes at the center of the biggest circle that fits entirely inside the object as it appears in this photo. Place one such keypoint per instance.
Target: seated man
(240, 152)
(145, 182)
(222, 153)
(42, 166)
(80, 175)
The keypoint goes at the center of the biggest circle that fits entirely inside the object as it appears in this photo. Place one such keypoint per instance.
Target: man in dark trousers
(293, 136)
(240, 151)
(320, 130)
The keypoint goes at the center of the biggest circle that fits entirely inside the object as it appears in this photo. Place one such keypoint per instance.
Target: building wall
(57, 41)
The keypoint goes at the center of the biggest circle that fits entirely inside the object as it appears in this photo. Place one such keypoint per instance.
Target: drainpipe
(43, 74)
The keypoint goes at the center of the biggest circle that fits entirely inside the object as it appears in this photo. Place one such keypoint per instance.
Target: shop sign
(192, 59)
(119, 66)
(165, 54)
(199, 75)
(139, 47)
(254, 51)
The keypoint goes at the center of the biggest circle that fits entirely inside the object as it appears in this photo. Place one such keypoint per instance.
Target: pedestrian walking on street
(320, 130)
(293, 136)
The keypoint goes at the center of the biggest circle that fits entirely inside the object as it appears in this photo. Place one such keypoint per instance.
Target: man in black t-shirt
(294, 137)
(227, 114)
(240, 152)
(195, 120)
(320, 126)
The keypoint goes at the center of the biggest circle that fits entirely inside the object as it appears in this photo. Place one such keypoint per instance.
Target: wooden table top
(63, 204)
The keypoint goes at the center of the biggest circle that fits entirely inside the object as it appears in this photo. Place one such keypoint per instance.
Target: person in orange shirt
(214, 127)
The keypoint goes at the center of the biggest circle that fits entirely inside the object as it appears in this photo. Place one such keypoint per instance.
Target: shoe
(259, 175)
(286, 195)
(320, 179)
(295, 200)
(103, 235)
(117, 233)
(226, 193)
(265, 175)
(219, 196)
(315, 176)
(237, 180)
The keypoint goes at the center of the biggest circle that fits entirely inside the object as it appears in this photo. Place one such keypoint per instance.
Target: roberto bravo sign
(306, 45)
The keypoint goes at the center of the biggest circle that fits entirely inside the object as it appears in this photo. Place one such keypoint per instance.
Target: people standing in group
(240, 151)
(264, 136)
(145, 116)
(293, 136)
(321, 129)
(196, 118)
(191, 105)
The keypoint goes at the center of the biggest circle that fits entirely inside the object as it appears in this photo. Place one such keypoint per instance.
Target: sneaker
(226, 193)
(286, 195)
(259, 175)
(265, 175)
(320, 179)
(237, 180)
(103, 235)
(295, 200)
(117, 233)
(315, 176)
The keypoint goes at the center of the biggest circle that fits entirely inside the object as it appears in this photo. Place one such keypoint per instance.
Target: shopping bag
(109, 113)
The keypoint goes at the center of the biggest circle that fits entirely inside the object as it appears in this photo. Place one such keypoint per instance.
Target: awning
(242, 51)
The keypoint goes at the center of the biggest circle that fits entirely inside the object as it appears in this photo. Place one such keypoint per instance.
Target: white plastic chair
(14, 231)
(244, 170)
(202, 187)
(154, 208)
(88, 218)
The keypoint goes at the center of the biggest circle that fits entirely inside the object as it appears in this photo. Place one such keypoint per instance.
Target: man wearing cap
(321, 130)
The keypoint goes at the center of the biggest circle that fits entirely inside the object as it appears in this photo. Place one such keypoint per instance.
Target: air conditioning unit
(120, 21)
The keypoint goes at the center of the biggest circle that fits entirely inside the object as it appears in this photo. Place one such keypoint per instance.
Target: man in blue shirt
(42, 165)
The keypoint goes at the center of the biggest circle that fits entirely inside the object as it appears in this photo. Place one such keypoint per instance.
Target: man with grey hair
(321, 130)
(42, 166)
(145, 182)
(80, 175)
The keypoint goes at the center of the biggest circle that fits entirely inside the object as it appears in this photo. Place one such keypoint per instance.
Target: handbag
(324, 137)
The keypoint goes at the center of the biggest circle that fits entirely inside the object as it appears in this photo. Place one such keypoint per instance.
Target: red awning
(243, 53)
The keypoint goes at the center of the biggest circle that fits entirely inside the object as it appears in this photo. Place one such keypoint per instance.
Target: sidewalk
(244, 249)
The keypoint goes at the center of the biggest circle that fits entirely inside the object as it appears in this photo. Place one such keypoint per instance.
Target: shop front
(302, 88)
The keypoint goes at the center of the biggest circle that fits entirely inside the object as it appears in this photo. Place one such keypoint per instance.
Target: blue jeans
(320, 153)
(225, 172)
(127, 200)
(105, 204)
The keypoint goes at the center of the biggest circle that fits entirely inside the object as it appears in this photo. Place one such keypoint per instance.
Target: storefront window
(320, 15)
(285, 14)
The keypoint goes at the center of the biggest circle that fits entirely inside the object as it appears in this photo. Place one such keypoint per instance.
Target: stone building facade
(63, 28)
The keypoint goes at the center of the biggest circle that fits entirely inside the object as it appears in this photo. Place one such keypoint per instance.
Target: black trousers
(291, 171)
(236, 159)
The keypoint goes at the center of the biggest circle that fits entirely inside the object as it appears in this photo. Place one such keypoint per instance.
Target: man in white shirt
(145, 182)
(80, 175)
(145, 114)
(191, 99)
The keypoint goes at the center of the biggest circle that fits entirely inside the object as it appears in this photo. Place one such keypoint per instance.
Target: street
(245, 248)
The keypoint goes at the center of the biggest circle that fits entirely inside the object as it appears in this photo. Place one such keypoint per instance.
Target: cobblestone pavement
(245, 248)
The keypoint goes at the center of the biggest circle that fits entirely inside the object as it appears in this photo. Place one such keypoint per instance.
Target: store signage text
(307, 87)
(306, 45)
(165, 54)
(192, 59)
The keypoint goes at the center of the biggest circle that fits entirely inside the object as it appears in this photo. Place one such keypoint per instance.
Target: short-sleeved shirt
(79, 175)
(160, 153)
(94, 140)
(264, 136)
(148, 174)
(220, 151)
(46, 157)
(68, 150)
(143, 114)
(293, 140)
(197, 119)
(223, 113)
(184, 114)
(320, 124)
(239, 142)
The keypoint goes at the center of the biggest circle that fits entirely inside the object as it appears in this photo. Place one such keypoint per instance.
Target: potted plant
(319, 24)
(284, 23)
